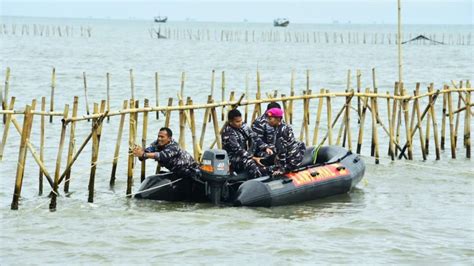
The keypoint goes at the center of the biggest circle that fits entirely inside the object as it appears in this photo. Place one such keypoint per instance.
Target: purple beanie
(275, 112)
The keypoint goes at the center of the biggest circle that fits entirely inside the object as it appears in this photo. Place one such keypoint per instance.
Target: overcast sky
(306, 11)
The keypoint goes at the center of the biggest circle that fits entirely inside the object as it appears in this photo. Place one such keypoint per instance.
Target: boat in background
(281, 22)
(161, 19)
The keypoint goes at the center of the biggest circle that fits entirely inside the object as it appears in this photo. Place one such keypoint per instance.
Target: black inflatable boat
(329, 171)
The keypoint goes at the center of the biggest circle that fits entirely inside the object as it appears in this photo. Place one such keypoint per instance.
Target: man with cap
(263, 130)
(169, 155)
(240, 143)
(289, 151)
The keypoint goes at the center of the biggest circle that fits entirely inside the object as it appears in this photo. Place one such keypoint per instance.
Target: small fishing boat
(160, 19)
(281, 22)
(327, 171)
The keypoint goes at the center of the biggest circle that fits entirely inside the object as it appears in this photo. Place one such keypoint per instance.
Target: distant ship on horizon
(281, 22)
(160, 19)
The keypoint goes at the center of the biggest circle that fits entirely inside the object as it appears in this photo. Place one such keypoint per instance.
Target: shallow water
(401, 212)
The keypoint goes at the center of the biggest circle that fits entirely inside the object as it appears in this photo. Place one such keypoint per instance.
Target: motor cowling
(215, 172)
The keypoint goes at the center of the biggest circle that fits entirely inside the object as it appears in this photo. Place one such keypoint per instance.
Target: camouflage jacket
(264, 131)
(172, 156)
(289, 151)
(241, 142)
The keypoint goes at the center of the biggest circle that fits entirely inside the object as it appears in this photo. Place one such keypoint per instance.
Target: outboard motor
(215, 172)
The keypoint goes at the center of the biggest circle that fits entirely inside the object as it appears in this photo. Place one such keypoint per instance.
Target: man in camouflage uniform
(289, 151)
(169, 155)
(264, 131)
(239, 142)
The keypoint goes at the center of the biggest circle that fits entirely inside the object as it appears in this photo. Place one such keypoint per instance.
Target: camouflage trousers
(250, 166)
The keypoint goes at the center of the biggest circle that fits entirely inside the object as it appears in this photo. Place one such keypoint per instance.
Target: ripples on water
(399, 213)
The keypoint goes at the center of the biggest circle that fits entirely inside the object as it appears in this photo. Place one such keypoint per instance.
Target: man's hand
(257, 160)
(138, 151)
(269, 151)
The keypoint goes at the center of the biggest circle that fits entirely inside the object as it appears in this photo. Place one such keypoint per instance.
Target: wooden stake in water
(27, 122)
(223, 95)
(72, 143)
(57, 172)
(144, 137)
(85, 93)
(108, 95)
(53, 86)
(132, 84)
(131, 144)
(6, 128)
(5, 97)
(328, 109)
(467, 123)
(40, 181)
(318, 118)
(157, 93)
(117, 144)
(443, 121)
(435, 125)
(451, 126)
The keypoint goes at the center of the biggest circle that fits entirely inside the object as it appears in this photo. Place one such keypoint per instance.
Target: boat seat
(308, 156)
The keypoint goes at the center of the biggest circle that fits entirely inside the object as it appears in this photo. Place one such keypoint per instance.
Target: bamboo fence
(399, 118)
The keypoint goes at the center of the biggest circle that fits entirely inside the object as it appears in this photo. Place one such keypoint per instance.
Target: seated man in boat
(168, 154)
(265, 132)
(289, 151)
(239, 141)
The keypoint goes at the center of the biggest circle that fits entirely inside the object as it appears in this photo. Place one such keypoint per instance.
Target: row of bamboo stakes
(297, 36)
(45, 30)
(405, 116)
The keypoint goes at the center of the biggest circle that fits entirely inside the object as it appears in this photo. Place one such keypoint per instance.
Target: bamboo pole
(328, 110)
(196, 148)
(72, 144)
(451, 126)
(428, 126)
(183, 78)
(182, 125)
(144, 138)
(108, 94)
(457, 116)
(292, 93)
(41, 173)
(6, 129)
(362, 122)
(205, 121)
(435, 126)
(54, 194)
(53, 86)
(157, 93)
(407, 128)
(223, 95)
(318, 119)
(85, 93)
(132, 85)
(420, 124)
(375, 131)
(359, 87)
(258, 108)
(443, 121)
(246, 97)
(213, 74)
(117, 145)
(216, 128)
(168, 113)
(131, 144)
(348, 122)
(5, 96)
(95, 152)
(391, 149)
(467, 124)
(27, 122)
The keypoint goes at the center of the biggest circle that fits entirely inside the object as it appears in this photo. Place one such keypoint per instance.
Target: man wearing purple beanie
(289, 151)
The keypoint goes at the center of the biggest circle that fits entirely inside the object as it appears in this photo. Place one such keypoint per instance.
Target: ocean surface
(402, 212)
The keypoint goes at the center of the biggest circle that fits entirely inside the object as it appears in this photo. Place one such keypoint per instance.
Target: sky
(298, 11)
